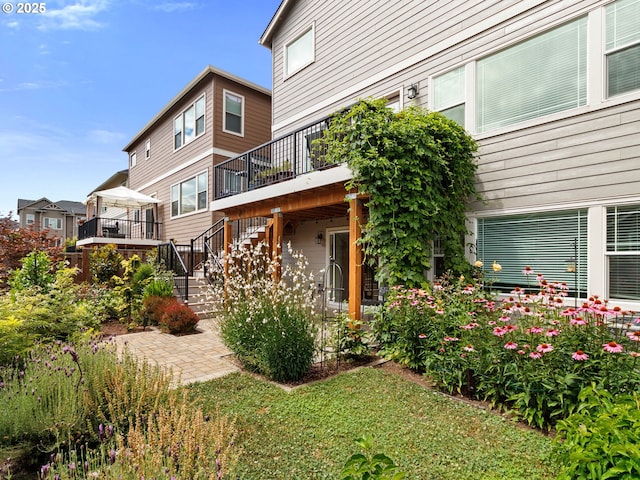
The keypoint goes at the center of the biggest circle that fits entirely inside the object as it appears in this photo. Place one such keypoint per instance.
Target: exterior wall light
(412, 91)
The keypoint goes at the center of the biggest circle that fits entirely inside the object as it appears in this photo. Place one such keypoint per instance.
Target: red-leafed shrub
(178, 318)
(153, 307)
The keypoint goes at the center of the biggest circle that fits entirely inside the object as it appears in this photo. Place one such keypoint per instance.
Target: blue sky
(80, 80)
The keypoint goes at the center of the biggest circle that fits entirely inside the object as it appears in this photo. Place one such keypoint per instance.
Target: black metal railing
(119, 228)
(172, 258)
(208, 244)
(278, 160)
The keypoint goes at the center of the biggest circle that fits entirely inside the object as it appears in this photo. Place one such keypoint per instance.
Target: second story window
(53, 223)
(132, 159)
(189, 124)
(448, 94)
(623, 46)
(190, 195)
(31, 219)
(147, 149)
(300, 52)
(540, 76)
(233, 113)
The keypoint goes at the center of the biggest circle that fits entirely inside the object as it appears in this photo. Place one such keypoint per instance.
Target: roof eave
(190, 86)
(265, 39)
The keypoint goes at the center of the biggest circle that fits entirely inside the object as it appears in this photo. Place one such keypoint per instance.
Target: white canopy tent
(122, 197)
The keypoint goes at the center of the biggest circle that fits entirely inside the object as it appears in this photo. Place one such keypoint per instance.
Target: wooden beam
(355, 258)
(276, 244)
(293, 202)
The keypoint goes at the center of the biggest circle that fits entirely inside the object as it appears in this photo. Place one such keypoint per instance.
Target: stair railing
(169, 254)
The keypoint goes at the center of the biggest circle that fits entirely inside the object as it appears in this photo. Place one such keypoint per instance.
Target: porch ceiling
(323, 202)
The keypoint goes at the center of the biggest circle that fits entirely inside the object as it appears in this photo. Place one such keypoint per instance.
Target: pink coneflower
(521, 352)
(535, 355)
(534, 330)
(634, 354)
(634, 336)
(637, 321)
(422, 336)
(491, 322)
(580, 356)
(612, 347)
(510, 328)
(552, 332)
(544, 348)
(499, 331)
(578, 321)
(451, 339)
(469, 326)
(468, 348)
(510, 345)
(504, 318)
(528, 271)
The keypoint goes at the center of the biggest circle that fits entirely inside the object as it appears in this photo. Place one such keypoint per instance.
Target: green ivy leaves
(417, 167)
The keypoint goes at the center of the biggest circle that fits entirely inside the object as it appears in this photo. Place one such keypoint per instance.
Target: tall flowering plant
(268, 321)
(526, 351)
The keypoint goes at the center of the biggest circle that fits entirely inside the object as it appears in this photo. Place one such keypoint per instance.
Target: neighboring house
(61, 218)
(215, 117)
(550, 90)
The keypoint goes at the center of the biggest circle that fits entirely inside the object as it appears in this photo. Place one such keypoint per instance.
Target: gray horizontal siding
(590, 157)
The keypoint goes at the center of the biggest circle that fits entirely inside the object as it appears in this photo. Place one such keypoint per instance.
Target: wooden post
(276, 243)
(355, 258)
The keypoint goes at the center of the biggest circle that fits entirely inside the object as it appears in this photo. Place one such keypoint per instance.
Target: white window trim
(46, 220)
(224, 113)
(196, 211)
(133, 159)
(30, 219)
(311, 28)
(147, 149)
(181, 115)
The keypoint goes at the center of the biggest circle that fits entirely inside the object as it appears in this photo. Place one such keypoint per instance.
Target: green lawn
(309, 432)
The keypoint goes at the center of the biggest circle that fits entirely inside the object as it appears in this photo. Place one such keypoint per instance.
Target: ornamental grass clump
(177, 440)
(269, 321)
(527, 352)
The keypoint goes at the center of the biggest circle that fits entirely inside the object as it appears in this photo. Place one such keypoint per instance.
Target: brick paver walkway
(191, 358)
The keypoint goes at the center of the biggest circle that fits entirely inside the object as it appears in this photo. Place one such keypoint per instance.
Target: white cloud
(34, 85)
(170, 7)
(106, 137)
(77, 16)
(13, 24)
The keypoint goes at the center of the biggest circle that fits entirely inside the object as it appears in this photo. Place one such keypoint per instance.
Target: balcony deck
(119, 231)
(292, 158)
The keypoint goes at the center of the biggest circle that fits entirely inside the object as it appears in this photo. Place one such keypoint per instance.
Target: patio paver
(191, 358)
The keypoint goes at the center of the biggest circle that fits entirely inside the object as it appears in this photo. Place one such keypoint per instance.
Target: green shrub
(176, 317)
(269, 323)
(602, 439)
(158, 287)
(36, 273)
(105, 263)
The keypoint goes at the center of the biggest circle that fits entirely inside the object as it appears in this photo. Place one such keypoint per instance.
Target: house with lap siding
(549, 89)
(216, 116)
(60, 219)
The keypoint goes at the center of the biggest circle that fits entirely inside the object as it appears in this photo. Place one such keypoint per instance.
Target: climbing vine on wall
(417, 167)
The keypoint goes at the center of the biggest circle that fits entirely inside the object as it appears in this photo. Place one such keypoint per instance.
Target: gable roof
(116, 180)
(68, 206)
(207, 71)
(265, 39)
(122, 197)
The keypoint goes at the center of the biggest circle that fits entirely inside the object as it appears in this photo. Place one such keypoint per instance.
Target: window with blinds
(623, 46)
(623, 252)
(543, 75)
(448, 95)
(549, 243)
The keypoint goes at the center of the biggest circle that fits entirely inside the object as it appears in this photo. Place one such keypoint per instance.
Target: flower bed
(527, 352)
